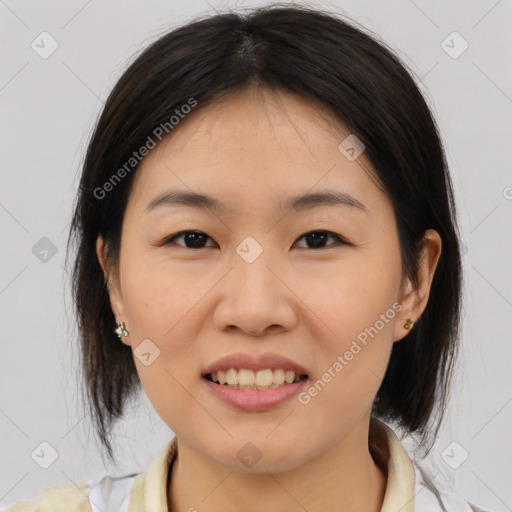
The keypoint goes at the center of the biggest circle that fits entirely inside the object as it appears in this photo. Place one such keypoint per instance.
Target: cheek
(355, 336)
(352, 371)
(162, 306)
(352, 300)
(168, 391)
(155, 296)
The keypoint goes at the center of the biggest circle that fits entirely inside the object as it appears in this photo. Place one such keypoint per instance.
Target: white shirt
(407, 488)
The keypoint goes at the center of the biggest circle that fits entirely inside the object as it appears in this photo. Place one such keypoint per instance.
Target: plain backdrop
(48, 107)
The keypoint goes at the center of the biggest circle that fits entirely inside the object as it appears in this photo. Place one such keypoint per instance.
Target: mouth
(254, 390)
(247, 379)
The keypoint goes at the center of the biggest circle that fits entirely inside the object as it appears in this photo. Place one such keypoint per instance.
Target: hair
(362, 83)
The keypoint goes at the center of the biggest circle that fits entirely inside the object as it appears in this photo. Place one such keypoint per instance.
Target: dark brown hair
(323, 58)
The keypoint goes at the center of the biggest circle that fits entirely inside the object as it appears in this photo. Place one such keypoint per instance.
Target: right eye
(192, 239)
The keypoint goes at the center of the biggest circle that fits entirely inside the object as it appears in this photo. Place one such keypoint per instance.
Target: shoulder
(430, 497)
(410, 486)
(106, 494)
(137, 491)
(68, 497)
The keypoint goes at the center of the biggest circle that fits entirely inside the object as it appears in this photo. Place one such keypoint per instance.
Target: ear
(113, 286)
(414, 299)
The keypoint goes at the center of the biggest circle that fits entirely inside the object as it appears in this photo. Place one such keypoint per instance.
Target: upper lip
(260, 362)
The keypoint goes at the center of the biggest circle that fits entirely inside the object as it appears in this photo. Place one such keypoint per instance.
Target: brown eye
(318, 238)
(191, 239)
(197, 239)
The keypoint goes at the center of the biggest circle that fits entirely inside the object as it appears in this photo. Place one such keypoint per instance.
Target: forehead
(254, 146)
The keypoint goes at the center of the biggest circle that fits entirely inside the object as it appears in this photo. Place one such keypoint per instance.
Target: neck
(344, 477)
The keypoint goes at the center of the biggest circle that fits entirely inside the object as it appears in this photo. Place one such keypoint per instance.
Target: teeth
(246, 378)
(249, 379)
(232, 376)
(262, 378)
(278, 377)
(289, 376)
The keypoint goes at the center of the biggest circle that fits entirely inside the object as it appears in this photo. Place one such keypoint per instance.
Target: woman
(267, 245)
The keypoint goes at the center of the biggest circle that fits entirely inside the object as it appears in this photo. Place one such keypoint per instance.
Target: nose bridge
(254, 298)
(256, 283)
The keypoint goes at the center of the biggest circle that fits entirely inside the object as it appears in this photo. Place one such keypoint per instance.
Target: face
(319, 283)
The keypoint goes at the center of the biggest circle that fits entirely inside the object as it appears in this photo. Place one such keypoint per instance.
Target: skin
(250, 151)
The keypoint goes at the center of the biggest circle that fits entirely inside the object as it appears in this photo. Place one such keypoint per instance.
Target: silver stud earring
(120, 330)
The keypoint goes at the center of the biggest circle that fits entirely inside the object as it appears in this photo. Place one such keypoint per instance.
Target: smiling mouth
(245, 379)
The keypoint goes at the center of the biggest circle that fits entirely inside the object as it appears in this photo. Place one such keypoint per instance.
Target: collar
(149, 491)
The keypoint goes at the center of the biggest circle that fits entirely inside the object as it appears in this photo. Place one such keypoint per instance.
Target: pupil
(316, 238)
(194, 238)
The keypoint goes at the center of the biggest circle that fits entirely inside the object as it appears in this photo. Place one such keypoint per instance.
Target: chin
(257, 456)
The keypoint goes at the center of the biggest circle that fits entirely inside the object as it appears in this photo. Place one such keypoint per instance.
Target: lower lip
(255, 399)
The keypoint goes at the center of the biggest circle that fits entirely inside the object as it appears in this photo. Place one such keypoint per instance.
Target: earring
(120, 330)
(409, 323)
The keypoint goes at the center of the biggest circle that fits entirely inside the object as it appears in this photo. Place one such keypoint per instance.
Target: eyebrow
(306, 201)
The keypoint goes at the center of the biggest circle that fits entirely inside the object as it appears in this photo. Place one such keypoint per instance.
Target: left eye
(197, 239)
(317, 238)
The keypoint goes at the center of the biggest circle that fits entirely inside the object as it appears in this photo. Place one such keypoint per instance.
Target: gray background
(48, 107)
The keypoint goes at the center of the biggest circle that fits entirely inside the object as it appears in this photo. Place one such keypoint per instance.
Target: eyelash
(339, 239)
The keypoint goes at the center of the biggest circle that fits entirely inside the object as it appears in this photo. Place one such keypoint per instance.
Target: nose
(255, 299)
